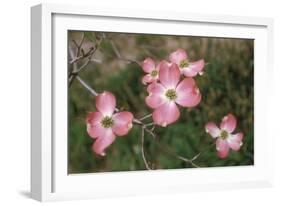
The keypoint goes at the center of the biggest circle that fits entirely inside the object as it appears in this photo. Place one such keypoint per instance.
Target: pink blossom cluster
(171, 84)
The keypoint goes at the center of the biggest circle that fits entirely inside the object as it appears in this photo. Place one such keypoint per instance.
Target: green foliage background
(226, 86)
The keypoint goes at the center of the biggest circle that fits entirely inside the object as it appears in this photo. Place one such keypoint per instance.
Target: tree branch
(201, 153)
(145, 117)
(79, 45)
(142, 149)
(92, 91)
(87, 55)
(119, 56)
(72, 75)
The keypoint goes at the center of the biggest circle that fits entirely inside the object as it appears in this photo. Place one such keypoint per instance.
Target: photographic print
(151, 102)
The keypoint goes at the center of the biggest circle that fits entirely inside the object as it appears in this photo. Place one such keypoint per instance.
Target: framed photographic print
(135, 102)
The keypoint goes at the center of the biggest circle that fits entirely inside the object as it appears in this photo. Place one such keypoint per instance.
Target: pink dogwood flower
(149, 66)
(187, 68)
(104, 125)
(164, 96)
(224, 136)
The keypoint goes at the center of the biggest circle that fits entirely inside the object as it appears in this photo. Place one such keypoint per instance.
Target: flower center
(224, 134)
(171, 94)
(154, 73)
(184, 63)
(107, 122)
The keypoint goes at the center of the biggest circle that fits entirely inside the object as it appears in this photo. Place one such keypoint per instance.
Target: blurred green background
(226, 86)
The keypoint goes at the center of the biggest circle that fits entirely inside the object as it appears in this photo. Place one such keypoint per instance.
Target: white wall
(15, 95)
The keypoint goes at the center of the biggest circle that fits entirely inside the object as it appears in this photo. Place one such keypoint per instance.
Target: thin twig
(96, 60)
(129, 60)
(75, 43)
(74, 74)
(188, 161)
(201, 153)
(116, 51)
(168, 150)
(88, 55)
(71, 54)
(78, 46)
(150, 132)
(93, 92)
(142, 149)
(149, 124)
(122, 59)
(119, 56)
(91, 51)
(137, 121)
(85, 64)
(145, 117)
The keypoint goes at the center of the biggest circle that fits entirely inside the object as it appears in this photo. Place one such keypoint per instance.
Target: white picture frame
(49, 178)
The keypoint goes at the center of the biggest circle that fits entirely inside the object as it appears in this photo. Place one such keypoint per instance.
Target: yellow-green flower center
(224, 134)
(184, 63)
(107, 122)
(171, 94)
(154, 73)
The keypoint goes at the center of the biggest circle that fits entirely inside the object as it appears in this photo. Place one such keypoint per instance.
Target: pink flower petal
(103, 142)
(197, 66)
(122, 123)
(212, 129)
(156, 88)
(222, 148)
(94, 127)
(106, 103)
(169, 75)
(188, 94)
(147, 79)
(235, 141)
(188, 72)
(186, 85)
(238, 137)
(166, 114)
(156, 94)
(177, 56)
(95, 131)
(194, 68)
(228, 123)
(154, 101)
(148, 65)
(94, 118)
(191, 99)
